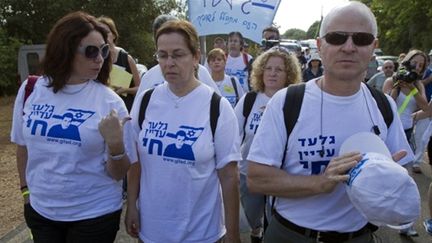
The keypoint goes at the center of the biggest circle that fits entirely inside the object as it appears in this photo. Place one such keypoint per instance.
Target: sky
(301, 14)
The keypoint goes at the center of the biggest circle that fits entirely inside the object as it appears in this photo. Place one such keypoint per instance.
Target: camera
(406, 73)
(267, 44)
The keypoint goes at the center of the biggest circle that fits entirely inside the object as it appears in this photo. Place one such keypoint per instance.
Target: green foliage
(313, 30)
(403, 24)
(8, 64)
(296, 34)
(31, 21)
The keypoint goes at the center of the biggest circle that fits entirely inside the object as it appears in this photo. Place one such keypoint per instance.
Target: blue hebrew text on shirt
(177, 145)
(255, 120)
(65, 128)
(313, 148)
(241, 75)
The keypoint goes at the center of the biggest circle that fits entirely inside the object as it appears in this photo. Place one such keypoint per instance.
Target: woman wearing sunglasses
(69, 136)
(122, 60)
(186, 180)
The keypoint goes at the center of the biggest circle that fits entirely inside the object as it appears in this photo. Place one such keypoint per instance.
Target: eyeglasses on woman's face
(92, 52)
(162, 56)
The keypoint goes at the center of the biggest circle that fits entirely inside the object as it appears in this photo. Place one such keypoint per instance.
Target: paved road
(384, 235)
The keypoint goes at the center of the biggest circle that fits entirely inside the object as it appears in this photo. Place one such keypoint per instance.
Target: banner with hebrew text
(249, 17)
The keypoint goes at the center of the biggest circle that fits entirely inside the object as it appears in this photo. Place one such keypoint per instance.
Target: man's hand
(337, 170)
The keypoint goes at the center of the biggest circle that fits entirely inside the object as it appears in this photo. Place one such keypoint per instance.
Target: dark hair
(62, 44)
(271, 29)
(160, 20)
(184, 28)
(111, 25)
(236, 33)
(411, 54)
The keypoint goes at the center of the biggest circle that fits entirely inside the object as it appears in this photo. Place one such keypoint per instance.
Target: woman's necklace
(75, 91)
(177, 100)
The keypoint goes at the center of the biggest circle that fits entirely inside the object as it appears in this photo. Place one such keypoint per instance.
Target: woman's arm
(135, 74)
(229, 179)
(390, 89)
(21, 157)
(111, 129)
(135, 77)
(132, 219)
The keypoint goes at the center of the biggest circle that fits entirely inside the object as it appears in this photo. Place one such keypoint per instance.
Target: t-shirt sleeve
(204, 77)
(17, 117)
(268, 144)
(238, 110)
(226, 139)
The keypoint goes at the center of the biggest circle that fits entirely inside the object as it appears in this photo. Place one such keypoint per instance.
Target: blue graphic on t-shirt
(316, 146)
(180, 149)
(65, 129)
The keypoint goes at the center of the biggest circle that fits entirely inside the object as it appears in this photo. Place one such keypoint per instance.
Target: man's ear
(376, 45)
(319, 42)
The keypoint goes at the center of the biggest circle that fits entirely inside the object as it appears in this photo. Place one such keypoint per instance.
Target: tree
(296, 34)
(403, 24)
(30, 21)
(313, 30)
(8, 59)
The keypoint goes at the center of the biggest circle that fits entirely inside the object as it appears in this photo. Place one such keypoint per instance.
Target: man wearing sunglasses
(305, 171)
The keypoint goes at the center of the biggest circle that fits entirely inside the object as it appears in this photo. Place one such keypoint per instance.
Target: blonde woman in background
(272, 70)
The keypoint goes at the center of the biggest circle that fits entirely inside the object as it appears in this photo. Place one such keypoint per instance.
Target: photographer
(407, 90)
(270, 38)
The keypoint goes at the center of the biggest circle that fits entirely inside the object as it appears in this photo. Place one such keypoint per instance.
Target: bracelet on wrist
(25, 193)
(117, 156)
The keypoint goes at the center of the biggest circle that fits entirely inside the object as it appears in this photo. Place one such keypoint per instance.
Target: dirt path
(11, 215)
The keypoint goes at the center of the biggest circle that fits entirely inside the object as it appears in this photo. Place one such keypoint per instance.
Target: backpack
(294, 98)
(233, 82)
(292, 107)
(214, 109)
(28, 89)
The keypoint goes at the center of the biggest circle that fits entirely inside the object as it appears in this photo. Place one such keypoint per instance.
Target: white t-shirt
(235, 66)
(342, 117)
(251, 127)
(154, 77)
(66, 167)
(180, 193)
(405, 116)
(227, 90)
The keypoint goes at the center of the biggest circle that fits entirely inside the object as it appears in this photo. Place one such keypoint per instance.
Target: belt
(323, 236)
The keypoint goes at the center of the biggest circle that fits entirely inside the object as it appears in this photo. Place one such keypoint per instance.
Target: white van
(29, 58)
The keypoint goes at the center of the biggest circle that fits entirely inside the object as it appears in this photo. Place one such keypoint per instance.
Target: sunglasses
(93, 52)
(339, 38)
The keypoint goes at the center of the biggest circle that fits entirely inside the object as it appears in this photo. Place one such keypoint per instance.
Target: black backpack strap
(383, 105)
(144, 103)
(248, 103)
(292, 106)
(233, 82)
(291, 110)
(214, 112)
